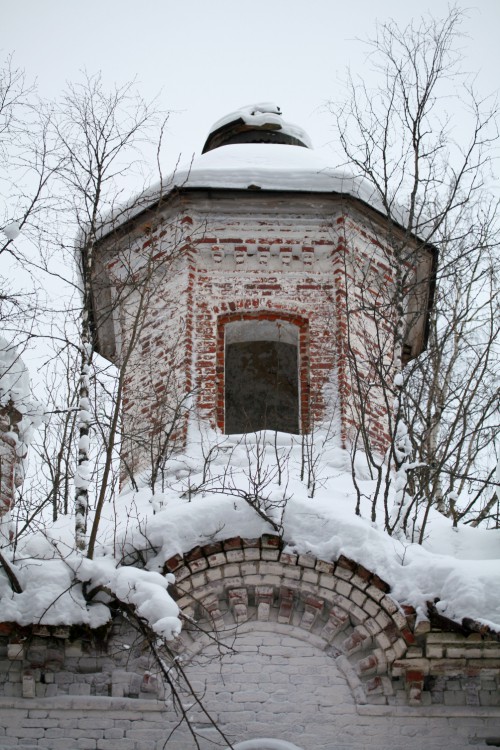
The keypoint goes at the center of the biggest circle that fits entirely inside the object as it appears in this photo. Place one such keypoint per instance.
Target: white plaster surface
(271, 685)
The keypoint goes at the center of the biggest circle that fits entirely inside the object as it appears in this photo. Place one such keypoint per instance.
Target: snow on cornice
(255, 166)
(272, 167)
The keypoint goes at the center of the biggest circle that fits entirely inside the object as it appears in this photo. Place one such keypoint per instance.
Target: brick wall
(216, 257)
(277, 645)
(124, 724)
(145, 319)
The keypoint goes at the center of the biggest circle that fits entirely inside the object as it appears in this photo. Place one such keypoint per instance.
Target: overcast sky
(206, 58)
(209, 57)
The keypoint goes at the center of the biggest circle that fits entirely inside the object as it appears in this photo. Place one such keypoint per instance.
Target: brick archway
(340, 607)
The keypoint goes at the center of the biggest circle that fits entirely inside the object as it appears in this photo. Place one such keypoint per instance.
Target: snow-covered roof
(228, 163)
(271, 167)
(254, 166)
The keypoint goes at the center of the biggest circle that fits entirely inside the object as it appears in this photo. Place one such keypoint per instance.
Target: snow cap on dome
(256, 123)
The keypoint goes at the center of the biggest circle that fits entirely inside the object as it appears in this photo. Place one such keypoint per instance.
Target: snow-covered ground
(203, 501)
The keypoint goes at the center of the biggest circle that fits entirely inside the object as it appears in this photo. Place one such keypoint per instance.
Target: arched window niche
(262, 374)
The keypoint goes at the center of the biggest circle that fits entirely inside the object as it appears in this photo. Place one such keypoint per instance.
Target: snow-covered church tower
(256, 290)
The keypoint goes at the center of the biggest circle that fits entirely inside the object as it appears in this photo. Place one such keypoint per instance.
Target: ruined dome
(256, 123)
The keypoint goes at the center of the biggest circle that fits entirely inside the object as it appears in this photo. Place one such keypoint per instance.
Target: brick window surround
(292, 319)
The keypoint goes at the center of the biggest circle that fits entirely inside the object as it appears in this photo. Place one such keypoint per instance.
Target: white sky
(208, 58)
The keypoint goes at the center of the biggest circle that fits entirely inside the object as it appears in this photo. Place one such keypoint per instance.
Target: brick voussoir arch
(240, 581)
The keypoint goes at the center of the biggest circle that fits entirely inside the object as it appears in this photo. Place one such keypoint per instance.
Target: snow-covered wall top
(261, 166)
(271, 167)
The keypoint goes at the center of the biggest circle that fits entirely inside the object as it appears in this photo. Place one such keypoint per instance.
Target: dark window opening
(261, 382)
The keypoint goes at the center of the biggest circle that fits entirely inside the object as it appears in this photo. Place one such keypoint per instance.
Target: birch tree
(100, 132)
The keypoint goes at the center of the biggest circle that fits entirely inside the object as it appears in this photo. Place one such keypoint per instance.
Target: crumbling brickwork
(313, 649)
(213, 258)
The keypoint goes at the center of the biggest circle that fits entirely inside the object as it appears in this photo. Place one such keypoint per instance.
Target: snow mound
(456, 568)
(271, 166)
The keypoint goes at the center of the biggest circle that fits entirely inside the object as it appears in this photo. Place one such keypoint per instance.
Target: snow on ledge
(255, 166)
